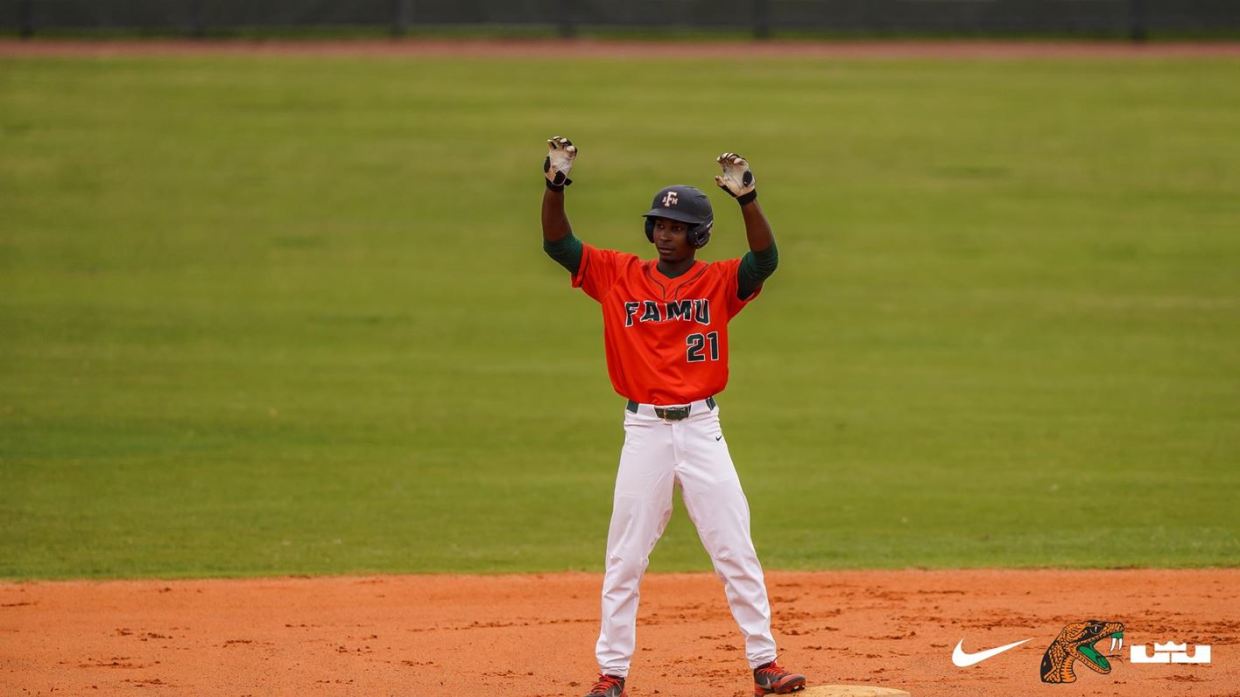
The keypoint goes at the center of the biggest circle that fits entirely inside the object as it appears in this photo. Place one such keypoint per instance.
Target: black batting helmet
(687, 204)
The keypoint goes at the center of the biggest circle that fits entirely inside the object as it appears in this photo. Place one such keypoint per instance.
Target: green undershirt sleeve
(566, 251)
(755, 268)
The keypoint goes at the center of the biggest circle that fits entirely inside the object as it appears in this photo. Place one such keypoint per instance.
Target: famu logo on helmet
(686, 204)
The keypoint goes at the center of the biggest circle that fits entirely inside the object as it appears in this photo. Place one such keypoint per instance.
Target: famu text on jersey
(695, 310)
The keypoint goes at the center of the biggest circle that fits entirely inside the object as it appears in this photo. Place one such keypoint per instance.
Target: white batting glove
(561, 153)
(737, 180)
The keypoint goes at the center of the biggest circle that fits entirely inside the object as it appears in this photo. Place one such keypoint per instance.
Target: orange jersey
(666, 338)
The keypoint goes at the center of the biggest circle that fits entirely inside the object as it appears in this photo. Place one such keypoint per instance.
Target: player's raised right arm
(558, 239)
(561, 153)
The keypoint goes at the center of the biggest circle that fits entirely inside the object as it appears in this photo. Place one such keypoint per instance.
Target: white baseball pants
(658, 454)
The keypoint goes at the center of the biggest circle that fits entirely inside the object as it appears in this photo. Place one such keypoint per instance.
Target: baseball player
(665, 329)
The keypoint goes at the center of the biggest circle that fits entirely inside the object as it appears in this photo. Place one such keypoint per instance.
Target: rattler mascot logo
(1076, 643)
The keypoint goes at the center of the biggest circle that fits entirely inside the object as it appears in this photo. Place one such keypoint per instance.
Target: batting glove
(736, 179)
(561, 153)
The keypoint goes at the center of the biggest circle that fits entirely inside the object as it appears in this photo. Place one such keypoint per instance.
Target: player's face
(671, 238)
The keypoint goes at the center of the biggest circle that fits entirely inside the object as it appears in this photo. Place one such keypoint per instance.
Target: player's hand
(737, 180)
(561, 153)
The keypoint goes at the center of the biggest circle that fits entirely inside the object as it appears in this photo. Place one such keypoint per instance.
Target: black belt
(671, 413)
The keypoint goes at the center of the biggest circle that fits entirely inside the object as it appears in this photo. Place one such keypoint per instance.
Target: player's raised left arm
(738, 181)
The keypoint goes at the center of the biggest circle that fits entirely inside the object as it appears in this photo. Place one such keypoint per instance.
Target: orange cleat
(770, 679)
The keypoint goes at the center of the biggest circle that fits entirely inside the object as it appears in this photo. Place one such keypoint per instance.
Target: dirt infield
(581, 48)
(533, 635)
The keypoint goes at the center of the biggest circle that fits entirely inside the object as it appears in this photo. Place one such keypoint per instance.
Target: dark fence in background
(1133, 18)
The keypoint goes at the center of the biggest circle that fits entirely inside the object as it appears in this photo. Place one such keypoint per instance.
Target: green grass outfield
(291, 315)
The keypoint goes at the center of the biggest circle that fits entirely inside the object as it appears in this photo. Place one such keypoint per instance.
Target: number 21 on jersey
(697, 346)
